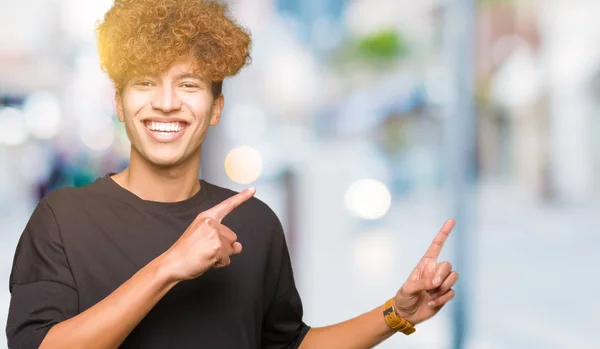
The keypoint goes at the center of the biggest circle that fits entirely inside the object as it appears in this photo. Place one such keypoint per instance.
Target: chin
(165, 163)
(167, 159)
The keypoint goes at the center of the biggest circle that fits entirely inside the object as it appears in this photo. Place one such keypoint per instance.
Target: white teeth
(165, 126)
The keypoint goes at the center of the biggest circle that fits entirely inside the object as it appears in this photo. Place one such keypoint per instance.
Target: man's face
(166, 116)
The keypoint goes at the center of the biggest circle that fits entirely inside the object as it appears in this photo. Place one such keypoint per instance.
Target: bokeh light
(368, 199)
(42, 115)
(243, 164)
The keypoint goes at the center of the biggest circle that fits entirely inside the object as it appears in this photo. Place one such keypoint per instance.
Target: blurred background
(364, 124)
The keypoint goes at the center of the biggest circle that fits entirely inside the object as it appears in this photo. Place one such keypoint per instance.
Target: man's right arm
(205, 244)
(109, 322)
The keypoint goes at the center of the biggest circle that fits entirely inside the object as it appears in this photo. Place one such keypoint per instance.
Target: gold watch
(394, 321)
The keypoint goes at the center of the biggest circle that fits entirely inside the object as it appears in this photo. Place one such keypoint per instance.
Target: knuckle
(215, 248)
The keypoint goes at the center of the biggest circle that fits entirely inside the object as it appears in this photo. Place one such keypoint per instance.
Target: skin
(168, 172)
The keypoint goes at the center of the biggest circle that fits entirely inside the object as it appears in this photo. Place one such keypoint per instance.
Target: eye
(144, 83)
(189, 85)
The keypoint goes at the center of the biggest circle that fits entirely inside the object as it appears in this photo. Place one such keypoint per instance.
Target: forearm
(109, 322)
(362, 332)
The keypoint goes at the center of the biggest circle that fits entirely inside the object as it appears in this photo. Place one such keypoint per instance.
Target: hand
(206, 243)
(429, 286)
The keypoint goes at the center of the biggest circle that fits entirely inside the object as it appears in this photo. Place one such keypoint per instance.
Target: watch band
(394, 321)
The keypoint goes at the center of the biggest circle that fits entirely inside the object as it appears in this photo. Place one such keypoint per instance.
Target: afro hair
(144, 37)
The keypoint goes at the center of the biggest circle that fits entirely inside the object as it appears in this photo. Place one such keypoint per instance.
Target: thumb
(237, 247)
(414, 286)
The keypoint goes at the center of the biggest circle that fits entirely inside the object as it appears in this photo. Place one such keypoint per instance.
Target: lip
(169, 119)
(165, 137)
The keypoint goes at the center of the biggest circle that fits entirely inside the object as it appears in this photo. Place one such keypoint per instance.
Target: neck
(162, 184)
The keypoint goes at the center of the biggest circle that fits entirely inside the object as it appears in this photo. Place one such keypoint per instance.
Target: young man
(143, 258)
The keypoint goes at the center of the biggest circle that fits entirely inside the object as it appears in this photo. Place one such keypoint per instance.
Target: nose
(166, 99)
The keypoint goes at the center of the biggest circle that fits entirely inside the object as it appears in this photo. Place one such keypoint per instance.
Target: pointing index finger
(438, 242)
(224, 208)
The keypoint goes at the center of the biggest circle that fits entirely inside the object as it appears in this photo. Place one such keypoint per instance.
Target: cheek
(134, 103)
(198, 106)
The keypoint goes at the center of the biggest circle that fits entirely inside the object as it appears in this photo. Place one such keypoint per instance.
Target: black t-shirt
(82, 243)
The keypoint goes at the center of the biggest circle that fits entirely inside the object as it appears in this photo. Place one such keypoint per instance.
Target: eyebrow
(189, 75)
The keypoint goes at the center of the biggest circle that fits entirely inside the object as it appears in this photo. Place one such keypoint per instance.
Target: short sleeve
(283, 327)
(43, 292)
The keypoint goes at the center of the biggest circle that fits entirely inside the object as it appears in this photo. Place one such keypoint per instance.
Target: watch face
(388, 311)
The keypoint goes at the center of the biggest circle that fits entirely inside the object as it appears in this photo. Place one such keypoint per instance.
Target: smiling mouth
(165, 127)
(165, 132)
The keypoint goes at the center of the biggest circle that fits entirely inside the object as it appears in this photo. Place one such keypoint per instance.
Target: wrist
(405, 315)
(165, 269)
(394, 320)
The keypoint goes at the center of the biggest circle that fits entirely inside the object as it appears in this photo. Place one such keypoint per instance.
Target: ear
(217, 108)
(119, 102)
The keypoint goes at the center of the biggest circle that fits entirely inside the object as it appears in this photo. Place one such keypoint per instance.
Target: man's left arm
(427, 290)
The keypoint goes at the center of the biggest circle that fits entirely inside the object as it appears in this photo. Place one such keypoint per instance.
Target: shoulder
(63, 199)
(71, 197)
